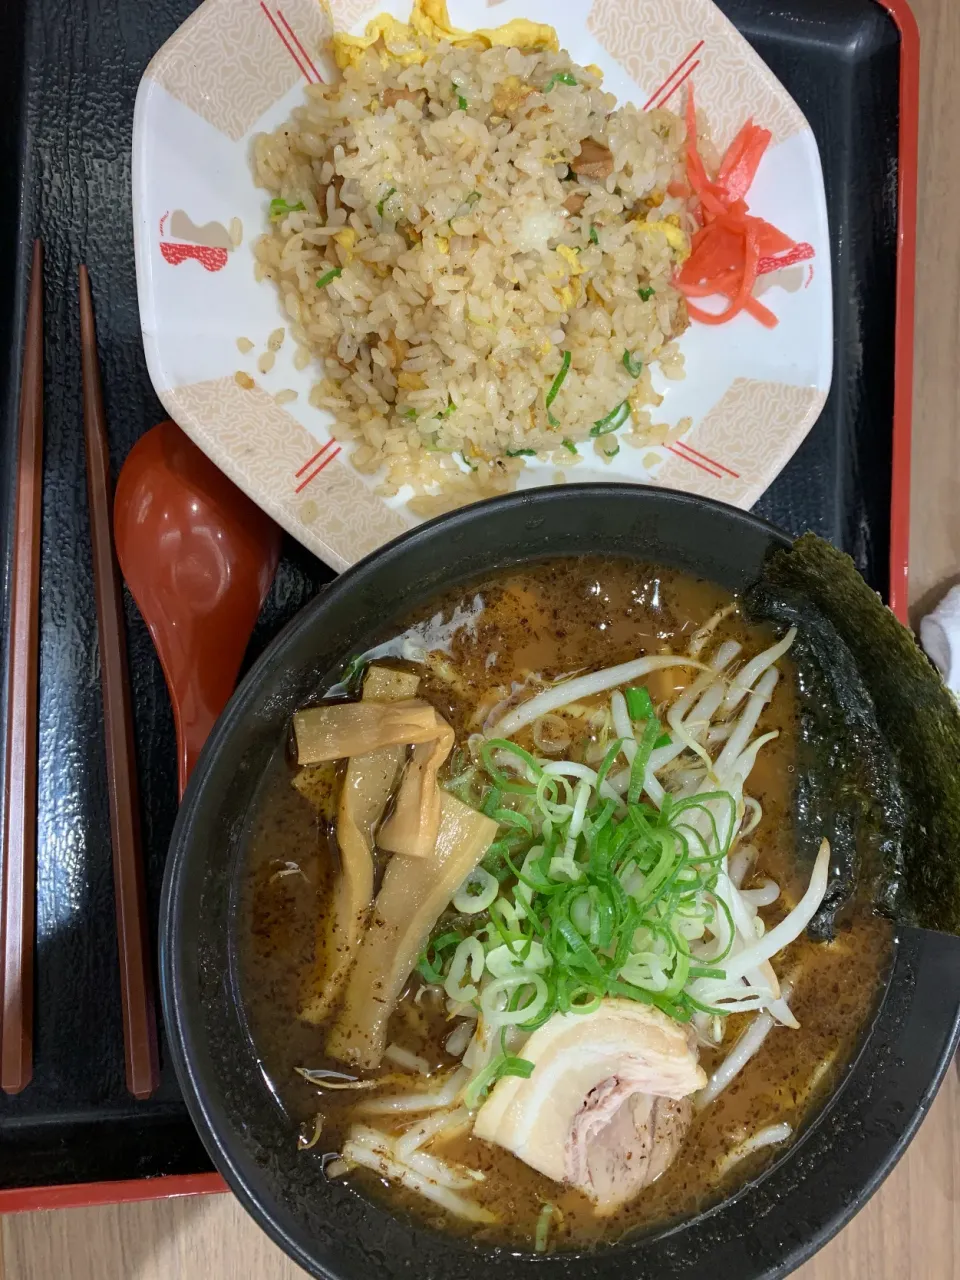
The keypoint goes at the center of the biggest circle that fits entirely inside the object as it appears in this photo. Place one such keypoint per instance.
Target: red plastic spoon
(198, 557)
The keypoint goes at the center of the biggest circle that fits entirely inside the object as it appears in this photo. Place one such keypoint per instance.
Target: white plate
(238, 67)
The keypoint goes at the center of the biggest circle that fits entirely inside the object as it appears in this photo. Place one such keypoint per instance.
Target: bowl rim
(899, 1079)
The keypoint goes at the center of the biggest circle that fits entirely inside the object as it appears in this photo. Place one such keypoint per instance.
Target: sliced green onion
(559, 77)
(639, 703)
(354, 669)
(491, 802)
(594, 238)
(494, 861)
(582, 896)
(612, 752)
(554, 422)
(521, 453)
(509, 818)
(681, 970)
(569, 446)
(430, 970)
(467, 957)
(477, 892)
(504, 1065)
(409, 413)
(461, 100)
(639, 767)
(633, 367)
(328, 276)
(646, 293)
(505, 920)
(557, 383)
(613, 420)
(461, 785)
(566, 868)
(466, 461)
(381, 203)
(584, 999)
(507, 960)
(530, 879)
(279, 208)
(506, 986)
(501, 779)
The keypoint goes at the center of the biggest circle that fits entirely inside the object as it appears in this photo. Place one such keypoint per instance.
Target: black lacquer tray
(68, 78)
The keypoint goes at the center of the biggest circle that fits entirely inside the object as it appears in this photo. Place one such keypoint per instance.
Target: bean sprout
(458, 1039)
(703, 634)
(407, 1060)
(325, 1079)
(443, 1097)
(423, 1132)
(744, 680)
(371, 1149)
(745, 1048)
(764, 895)
(582, 687)
(771, 1136)
(791, 926)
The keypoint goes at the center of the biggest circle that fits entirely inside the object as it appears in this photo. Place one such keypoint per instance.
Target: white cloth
(940, 637)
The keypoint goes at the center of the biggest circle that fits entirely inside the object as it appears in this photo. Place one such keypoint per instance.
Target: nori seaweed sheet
(879, 743)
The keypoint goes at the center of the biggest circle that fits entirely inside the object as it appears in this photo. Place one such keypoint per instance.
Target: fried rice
(475, 247)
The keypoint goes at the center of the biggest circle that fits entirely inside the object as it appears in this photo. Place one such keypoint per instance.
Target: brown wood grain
(20, 777)
(911, 1228)
(935, 526)
(133, 936)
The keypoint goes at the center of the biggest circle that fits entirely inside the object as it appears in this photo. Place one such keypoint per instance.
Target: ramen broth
(557, 619)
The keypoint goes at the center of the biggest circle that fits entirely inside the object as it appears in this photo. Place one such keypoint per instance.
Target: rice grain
(447, 259)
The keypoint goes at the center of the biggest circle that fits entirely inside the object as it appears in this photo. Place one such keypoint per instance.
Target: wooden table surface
(911, 1228)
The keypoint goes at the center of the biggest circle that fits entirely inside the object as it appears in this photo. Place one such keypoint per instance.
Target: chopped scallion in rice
(559, 77)
(557, 383)
(614, 419)
(279, 208)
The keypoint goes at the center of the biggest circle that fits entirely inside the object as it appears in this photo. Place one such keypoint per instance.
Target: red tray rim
(88, 1194)
(907, 167)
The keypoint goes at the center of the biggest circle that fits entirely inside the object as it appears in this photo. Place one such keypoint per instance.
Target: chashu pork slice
(607, 1105)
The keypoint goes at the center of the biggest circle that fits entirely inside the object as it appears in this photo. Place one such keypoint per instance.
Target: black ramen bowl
(767, 1227)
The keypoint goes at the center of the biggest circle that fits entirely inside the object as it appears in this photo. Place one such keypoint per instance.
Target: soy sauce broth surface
(555, 619)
